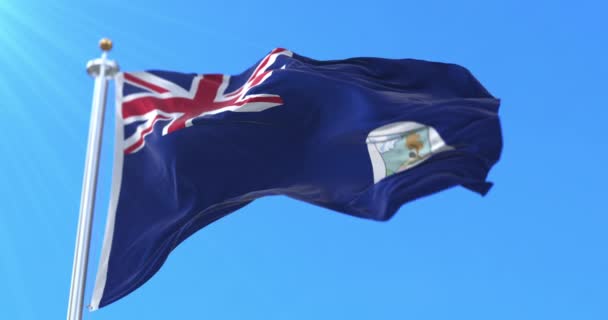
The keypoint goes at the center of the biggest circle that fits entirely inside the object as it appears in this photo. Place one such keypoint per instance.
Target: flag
(361, 136)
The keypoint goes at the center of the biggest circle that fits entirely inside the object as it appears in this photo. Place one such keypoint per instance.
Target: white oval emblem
(399, 146)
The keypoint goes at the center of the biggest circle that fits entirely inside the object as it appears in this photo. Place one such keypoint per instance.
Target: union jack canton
(153, 96)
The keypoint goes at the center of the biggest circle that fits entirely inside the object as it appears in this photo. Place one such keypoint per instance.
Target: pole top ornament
(105, 44)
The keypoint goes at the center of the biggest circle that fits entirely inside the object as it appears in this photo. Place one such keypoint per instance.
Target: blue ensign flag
(360, 136)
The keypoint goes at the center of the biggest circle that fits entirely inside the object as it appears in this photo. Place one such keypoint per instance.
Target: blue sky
(534, 248)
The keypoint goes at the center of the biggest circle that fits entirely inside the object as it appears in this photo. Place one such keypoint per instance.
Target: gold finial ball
(105, 44)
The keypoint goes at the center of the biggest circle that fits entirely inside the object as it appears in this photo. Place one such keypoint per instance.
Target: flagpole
(102, 70)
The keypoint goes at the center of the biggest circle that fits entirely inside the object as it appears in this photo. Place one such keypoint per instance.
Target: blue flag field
(360, 136)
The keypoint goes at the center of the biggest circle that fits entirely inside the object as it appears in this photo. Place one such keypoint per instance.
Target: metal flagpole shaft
(102, 70)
